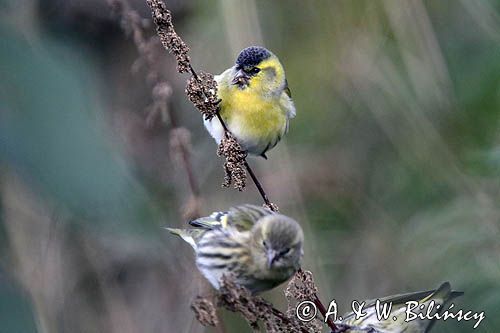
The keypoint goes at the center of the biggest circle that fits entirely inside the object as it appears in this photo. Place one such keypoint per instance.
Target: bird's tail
(444, 295)
(190, 236)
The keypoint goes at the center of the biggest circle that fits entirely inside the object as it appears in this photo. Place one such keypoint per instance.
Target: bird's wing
(422, 296)
(287, 102)
(287, 89)
(245, 216)
(240, 217)
(214, 221)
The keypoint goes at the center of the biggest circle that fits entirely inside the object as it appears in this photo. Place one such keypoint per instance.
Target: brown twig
(323, 311)
(255, 180)
(284, 318)
(255, 309)
(302, 288)
(263, 194)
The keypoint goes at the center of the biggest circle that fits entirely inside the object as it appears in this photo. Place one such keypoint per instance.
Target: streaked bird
(395, 322)
(259, 248)
(256, 103)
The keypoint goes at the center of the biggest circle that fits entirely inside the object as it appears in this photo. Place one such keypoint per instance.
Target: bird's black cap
(252, 56)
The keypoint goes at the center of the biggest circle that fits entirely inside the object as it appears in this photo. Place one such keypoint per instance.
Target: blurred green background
(392, 164)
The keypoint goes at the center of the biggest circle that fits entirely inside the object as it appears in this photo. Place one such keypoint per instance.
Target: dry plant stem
(184, 151)
(131, 23)
(323, 311)
(321, 308)
(193, 184)
(259, 187)
(175, 45)
(283, 317)
(256, 310)
(249, 169)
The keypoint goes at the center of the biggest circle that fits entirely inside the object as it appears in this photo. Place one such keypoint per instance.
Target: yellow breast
(255, 121)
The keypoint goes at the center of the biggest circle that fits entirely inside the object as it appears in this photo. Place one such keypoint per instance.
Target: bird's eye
(264, 244)
(285, 251)
(251, 70)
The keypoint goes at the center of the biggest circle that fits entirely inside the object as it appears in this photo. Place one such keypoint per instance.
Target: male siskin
(256, 104)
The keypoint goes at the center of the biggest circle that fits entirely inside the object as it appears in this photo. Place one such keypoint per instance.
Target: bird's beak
(271, 258)
(240, 78)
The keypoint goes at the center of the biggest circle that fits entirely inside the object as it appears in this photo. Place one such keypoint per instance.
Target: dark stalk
(321, 308)
(259, 187)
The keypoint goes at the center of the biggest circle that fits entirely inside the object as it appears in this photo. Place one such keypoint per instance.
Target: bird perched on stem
(396, 321)
(257, 247)
(256, 103)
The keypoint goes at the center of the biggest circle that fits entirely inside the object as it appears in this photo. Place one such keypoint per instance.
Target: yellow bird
(256, 103)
